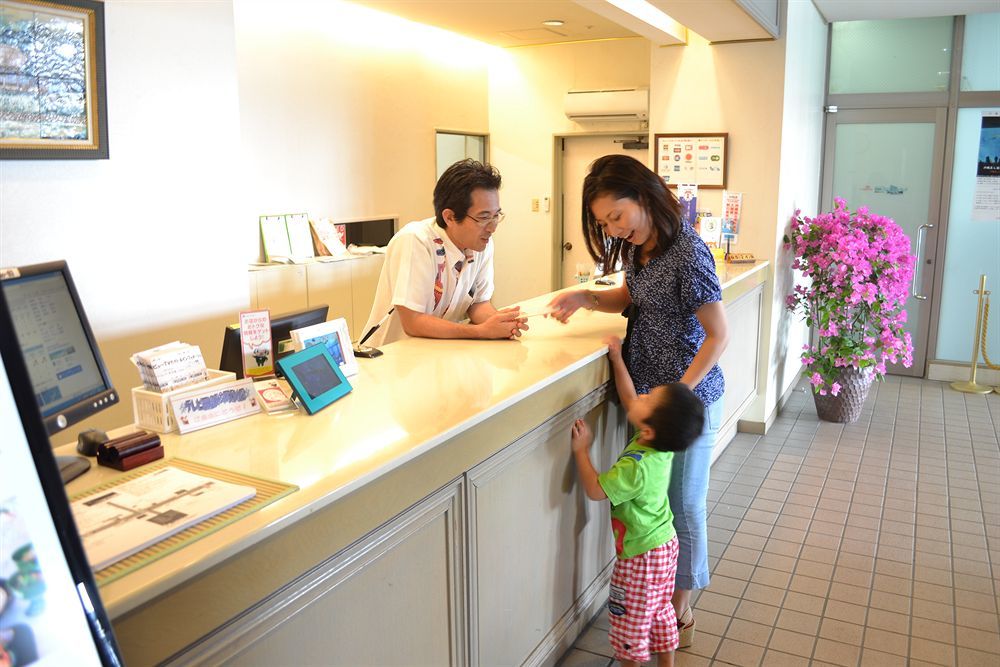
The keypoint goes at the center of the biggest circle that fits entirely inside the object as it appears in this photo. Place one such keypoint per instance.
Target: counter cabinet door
(397, 597)
(541, 551)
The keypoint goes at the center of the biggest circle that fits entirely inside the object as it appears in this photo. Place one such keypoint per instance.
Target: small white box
(151, 409)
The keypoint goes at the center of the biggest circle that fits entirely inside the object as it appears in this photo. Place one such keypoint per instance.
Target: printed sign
(255, 343)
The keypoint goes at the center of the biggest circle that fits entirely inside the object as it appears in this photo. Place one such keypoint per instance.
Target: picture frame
(56, 99)
(315, 378)
(335, 335)
(696, 159)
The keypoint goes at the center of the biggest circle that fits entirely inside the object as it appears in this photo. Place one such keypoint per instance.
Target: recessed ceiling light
(555, 23)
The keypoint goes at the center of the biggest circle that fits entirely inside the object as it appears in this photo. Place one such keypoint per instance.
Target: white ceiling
(857, 10)
(519, 22)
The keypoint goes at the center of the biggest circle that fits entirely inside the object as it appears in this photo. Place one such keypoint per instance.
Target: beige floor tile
(711, 623)
(890, 602)
(749, 632)
(767, 577)
(682, 659)
(845, 611)
(932, 630)
(979, 620)
(595, 641)
(739, 653)
(839, 631)
(774, 658)
(757, 612)
(809, 585)
(978, 640)
(972, 600)
(716, 602)
(890, 642)
(873, 658)
(733, 569)
(968, 657)
(931, 651)
(797, 621)
(764, 594)
(848, 593)
(728, 586)
(836, 653)
(705, 644)
(934, 611)
(795, 643)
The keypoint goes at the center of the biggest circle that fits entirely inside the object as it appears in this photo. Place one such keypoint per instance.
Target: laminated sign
(255, 343)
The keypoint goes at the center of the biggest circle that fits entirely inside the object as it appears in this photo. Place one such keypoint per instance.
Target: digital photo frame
(315, 377)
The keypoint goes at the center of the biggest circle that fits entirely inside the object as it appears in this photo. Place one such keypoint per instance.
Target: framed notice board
(692, 159)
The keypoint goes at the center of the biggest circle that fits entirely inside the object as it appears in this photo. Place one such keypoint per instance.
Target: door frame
(557, 191)
(928, 264)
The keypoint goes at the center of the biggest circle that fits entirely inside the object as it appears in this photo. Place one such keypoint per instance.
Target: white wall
(768, 96)
(151, 235)
(339, 104)
(798, 188)
(526, 90)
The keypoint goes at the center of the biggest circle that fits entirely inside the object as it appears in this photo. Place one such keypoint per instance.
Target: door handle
(567, 246)
(921, 238)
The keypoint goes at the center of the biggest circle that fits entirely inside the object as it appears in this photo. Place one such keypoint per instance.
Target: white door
(577, 155)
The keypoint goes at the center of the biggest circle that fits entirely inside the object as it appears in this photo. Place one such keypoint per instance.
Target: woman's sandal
(685, 629)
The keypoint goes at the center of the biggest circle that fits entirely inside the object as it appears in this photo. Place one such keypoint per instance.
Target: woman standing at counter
(677, 329)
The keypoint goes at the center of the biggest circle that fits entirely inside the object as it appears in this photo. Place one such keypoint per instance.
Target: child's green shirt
(637, 486)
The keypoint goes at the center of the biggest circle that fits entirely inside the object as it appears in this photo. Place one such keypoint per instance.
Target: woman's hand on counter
(567, 303)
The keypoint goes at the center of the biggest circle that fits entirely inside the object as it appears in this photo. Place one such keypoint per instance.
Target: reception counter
(437, 520)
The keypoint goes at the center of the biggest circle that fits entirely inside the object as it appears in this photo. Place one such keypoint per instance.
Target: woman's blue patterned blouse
(665, 334)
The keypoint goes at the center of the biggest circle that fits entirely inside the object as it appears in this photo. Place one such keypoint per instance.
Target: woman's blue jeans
(688, 497)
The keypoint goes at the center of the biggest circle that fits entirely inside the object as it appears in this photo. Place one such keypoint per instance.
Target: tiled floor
(874, 543)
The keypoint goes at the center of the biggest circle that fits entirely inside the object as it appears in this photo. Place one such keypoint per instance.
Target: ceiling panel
(858, 10)
(506, 22)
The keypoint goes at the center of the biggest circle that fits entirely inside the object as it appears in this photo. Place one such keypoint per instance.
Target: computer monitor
(281, 328)
(50, 609)
(68, 375)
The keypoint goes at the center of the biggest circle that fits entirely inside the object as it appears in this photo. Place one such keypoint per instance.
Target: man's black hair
(454, 188)
(677, 418)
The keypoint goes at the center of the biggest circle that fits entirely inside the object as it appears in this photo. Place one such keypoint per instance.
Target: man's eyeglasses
(485, 220)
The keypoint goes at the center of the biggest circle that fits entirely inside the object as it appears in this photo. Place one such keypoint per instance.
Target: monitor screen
(370, 232)
(281, 328)
(50, 609)
(68, 376)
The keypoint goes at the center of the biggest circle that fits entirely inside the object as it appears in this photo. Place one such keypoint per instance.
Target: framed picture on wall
(52, 63)
(695, 159)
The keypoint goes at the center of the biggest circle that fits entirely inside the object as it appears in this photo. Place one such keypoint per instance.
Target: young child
(667, 420)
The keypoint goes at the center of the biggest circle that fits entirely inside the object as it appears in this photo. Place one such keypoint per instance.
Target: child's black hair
(677, 418)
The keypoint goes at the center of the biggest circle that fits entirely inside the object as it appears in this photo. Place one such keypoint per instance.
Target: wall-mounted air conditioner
(625, 104)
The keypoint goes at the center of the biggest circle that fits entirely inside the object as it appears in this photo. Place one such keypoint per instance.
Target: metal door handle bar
(918, 269)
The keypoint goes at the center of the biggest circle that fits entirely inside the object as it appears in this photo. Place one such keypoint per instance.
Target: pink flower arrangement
(861, 267)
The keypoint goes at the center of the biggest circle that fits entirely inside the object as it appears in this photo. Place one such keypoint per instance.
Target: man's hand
(581, 437)
(505, 323)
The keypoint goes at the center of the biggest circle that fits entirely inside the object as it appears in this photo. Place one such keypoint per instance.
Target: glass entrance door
(890, 160)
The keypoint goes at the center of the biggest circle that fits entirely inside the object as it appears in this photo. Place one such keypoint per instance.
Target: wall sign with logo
(696, 159)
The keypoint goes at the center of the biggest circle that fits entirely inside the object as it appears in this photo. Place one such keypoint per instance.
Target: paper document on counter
(129, 517)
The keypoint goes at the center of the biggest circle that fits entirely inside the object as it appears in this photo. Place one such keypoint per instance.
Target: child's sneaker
(685, 629)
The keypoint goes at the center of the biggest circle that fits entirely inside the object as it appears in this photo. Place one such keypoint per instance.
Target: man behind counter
(438, 272)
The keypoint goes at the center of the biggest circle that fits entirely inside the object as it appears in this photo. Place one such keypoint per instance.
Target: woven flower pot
(845, 407)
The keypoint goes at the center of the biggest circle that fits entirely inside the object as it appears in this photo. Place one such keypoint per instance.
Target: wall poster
(986, 201)
(696, 159)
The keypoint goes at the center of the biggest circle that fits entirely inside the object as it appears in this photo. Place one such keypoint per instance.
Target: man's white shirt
(427, 273)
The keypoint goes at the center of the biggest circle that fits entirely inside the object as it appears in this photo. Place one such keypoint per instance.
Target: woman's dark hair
(623, 176)
(677, 419)
(454, 188)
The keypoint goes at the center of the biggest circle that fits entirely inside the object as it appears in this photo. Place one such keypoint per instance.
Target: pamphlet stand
(151, 409)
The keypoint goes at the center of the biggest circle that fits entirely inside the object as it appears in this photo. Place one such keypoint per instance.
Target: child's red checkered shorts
(639, 611)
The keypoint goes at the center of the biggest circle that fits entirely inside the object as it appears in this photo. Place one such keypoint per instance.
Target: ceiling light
(555, 23)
